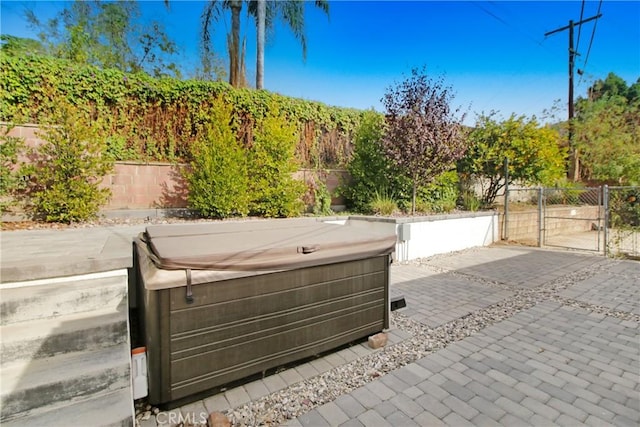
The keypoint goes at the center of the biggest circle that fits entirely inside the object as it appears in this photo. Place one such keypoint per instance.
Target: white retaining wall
(420, 237)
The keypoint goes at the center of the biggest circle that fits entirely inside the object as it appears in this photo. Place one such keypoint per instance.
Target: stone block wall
(138, 185)
(146, 185)
(523, 225)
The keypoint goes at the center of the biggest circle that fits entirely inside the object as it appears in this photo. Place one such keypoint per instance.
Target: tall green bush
(217, 180)
(65, 175)
(10, 177)
(441, 195)
(371, 172)
(273, 191)
(533, 153)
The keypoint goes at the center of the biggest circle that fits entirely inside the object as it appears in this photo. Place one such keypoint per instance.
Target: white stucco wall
(435, 234)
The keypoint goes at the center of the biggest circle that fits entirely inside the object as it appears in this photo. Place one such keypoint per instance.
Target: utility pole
(574, 167)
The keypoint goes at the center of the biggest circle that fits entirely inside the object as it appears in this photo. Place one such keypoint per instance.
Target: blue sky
(493, 53)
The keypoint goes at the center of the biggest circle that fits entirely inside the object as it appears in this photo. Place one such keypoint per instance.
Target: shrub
(565, 193)
(469, 201)
(383, 204)
(441, 195)
(322, 199)
(65, 176)
(273, 192)
(217, 180)
(531, 152)
(370, 169)
(625, 208)
(10, 177)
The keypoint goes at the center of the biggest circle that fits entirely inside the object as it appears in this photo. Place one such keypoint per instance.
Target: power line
(505, 22)
(593, 33)
(580, 27)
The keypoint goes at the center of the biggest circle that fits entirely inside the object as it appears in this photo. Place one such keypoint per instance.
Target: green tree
(19, 46)
(612, 86)
(212, 12)
(217, 179)
(533, 152)
(273, 190)
(423, 136)
(108, 35)
(607, 131)
(66, 171)
(371, 173)
(291, 12)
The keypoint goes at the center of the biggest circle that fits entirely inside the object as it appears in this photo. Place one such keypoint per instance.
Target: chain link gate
(573, 218)
(599, 219)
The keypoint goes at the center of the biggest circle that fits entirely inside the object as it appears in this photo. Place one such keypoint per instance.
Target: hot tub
(223, 301)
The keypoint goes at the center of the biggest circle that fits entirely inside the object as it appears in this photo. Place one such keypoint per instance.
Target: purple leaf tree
(423, 137)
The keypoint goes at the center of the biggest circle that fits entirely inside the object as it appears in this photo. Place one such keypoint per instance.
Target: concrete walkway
(558, 343)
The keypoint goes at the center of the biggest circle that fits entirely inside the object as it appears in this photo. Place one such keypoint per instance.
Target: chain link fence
(601, 219)
(622, 231)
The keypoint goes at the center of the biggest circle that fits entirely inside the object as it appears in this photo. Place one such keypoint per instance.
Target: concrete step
(45, 338)
(62, 379)
(41, 299)
(111, 409)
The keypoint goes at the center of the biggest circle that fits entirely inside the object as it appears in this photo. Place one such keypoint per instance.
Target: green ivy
(157, 119)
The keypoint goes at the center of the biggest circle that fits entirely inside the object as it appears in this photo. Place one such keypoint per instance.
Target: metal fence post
(605, 197)
(600, 196)
(540, 215)
(505, 231)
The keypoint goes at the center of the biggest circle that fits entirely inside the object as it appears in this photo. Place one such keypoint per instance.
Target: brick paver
(551, 364)
(443, 297)
(562, 361)
(518, 267)
(609, 290)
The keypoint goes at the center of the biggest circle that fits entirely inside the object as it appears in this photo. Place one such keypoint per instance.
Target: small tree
(10, 178)
(371, 172)
(65, 176)
(218, 183)
(606, 131)
(533, 152)
(422, 137)
(273, 190)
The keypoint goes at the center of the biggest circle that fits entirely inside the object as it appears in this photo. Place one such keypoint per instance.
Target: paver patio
(548, 365)
(570, 356)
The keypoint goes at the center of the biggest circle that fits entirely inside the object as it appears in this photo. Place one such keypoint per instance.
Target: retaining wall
(523, 226)
(420, 237)
(151, 185)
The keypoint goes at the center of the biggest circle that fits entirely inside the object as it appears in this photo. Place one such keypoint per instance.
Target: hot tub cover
(267, 245)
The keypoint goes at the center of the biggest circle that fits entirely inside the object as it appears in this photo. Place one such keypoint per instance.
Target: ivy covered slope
(156, 119)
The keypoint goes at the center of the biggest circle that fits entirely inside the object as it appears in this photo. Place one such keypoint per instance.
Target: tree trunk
(234, 43)
(262, 11)
(413, 197)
